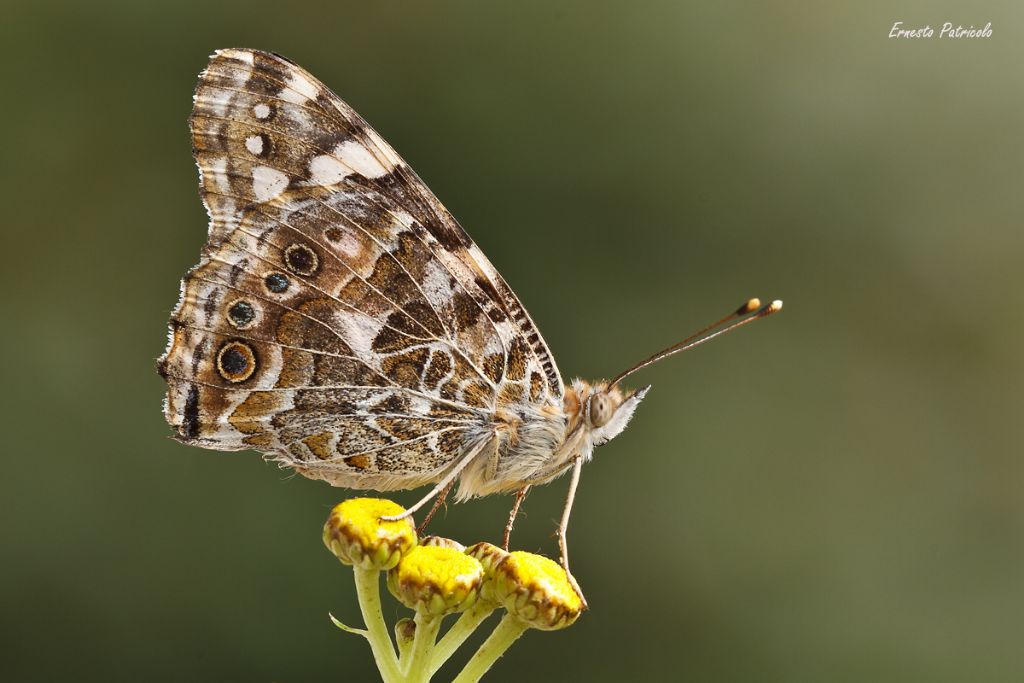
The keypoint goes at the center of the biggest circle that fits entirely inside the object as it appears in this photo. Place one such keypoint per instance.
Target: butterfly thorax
(540, 445)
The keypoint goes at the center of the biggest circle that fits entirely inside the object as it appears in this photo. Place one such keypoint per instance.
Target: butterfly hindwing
(340, 320)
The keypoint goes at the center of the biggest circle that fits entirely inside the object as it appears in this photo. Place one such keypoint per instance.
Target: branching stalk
(451, 641)
(507, 632)
(418, 670)
(368, 590)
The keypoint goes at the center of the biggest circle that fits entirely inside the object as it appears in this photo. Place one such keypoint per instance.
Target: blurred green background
(834, 494)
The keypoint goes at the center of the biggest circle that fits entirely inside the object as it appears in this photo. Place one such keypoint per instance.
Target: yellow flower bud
(537, 591)
(355, 533)
(490, 556)
(442, 542)
(436, 580)
(405, 634)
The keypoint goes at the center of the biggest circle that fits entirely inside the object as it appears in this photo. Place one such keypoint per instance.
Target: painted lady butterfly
(343, 323)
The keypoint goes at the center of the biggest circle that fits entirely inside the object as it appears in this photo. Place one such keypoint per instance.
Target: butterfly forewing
(340, 319)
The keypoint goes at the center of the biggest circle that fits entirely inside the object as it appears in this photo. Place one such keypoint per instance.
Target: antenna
(752, 309)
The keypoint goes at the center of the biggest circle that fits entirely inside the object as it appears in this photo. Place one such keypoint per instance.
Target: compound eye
(600, 410)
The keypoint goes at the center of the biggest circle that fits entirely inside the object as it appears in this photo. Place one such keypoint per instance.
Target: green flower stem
(508, 630)
(452, 640)
(368, 590)
(418, 668)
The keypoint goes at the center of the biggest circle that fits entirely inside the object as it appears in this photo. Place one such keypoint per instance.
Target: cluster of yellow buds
(436, 577)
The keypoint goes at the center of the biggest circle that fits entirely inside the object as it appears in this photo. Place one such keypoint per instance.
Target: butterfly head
(606, 409)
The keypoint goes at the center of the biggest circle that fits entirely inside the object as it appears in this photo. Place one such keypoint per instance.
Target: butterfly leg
(520, 494)
(437, 504)
(563, 526)
(442, 485)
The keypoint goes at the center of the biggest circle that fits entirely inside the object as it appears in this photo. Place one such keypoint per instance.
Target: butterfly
(341, 322)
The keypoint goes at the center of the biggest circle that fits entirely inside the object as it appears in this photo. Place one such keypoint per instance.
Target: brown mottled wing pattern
(339, 320)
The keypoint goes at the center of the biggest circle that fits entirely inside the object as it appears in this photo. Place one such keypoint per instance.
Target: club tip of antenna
(749, 306)
(773, 307)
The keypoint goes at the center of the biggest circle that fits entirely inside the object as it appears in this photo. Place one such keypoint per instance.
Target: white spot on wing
(300, 89)
(261, 111)
(291, 96)
(347, 158)
(254, 143)
(360, 160)
(268, 183)
(327, 170)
